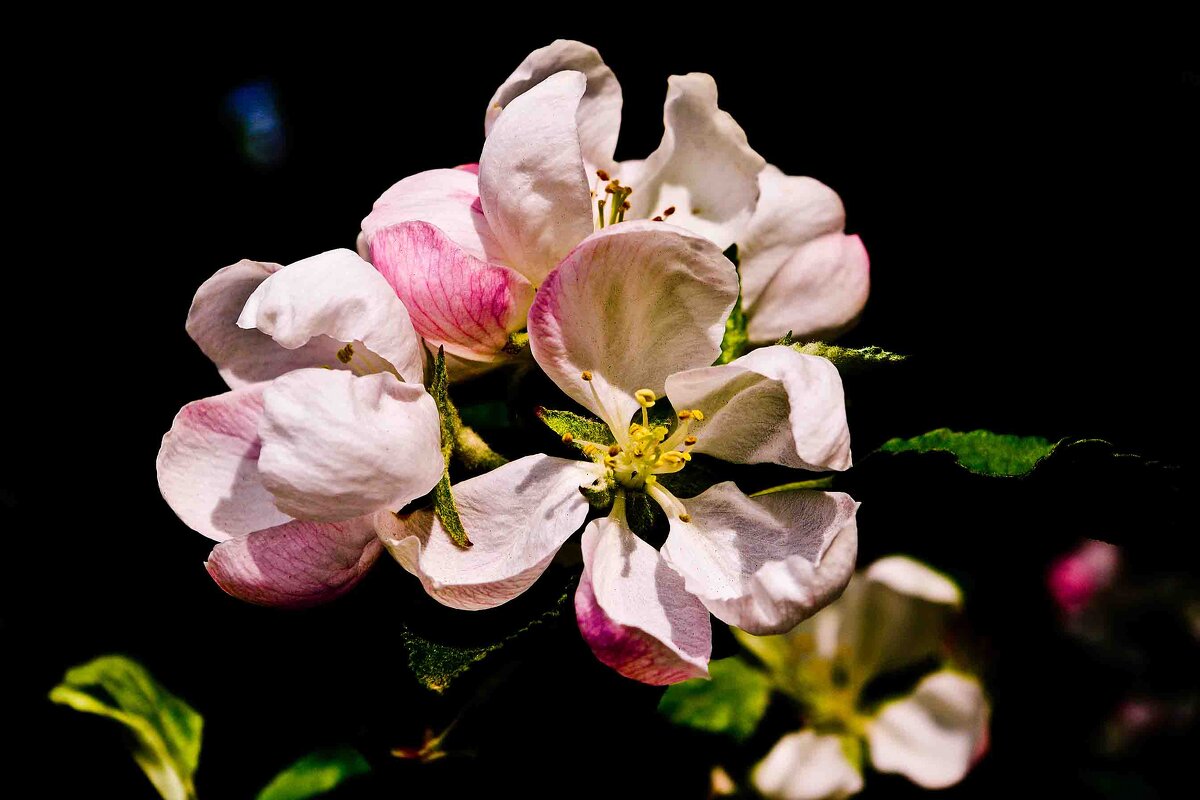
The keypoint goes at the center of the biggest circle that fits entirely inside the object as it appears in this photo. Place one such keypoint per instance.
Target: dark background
(1023, 208)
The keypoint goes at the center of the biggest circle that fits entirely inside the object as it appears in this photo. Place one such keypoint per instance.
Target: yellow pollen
(698, 414)
(689, 441)
(567, 438)
(685, 517)
(587, 376)
(685, 414)
(645, 397)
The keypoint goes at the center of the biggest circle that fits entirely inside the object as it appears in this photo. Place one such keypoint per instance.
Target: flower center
(646, 450)
(612, 196)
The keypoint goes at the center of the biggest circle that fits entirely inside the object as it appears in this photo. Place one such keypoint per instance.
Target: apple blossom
(634, 313)
(892, 616)
(326, 423)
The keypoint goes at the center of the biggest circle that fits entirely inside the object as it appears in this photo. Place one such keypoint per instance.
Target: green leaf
(981, 452)
(166, 730)
(580, 429)
(316, 774)
(437, 664)
(849, 360)
(736, 340)
(731, 703)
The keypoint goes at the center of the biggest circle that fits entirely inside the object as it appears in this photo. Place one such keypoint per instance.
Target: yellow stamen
(567, 438)
(587, 376)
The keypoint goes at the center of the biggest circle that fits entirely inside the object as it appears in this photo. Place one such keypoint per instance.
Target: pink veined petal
(337, 446)
(634, 612)
(246, 356)
(704, 166)
(455, 300)
(296, 564)
(806, 765)
(932, 736)
(533, 188)
(339, 296)
(764, 564)
(599, 113)
(516, 516)
(208, 466)
(772, 405)
(631, 303)
(447, 198)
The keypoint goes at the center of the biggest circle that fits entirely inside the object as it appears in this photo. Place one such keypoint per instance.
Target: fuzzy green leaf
(316, 774)
(981, 452)
(850, 360)
(166, 730)
(736, 340)
(580, 429)
(732, 703)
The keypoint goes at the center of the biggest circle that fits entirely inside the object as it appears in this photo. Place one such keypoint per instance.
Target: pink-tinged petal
(516, 516)
(807, 766)
(337, 446)
(599, 112)
(766, 563)
(932, 736)
(471, 168)
(632, 303)
(772, 405)
(455, 300)
(634, 612)
(447, 198)
(704, 167)
(296, 564)
(1075, 578)
(818, 294)
(208, 466)
(336, 295)
(533, 187)
(246, 356)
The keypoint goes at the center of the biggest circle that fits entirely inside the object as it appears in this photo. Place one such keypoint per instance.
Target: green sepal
(443, 496)
(849, 360)
(166, 730)
(732, 702)
(316, 774)
(580, 429)
(600, 498)
(736, 340)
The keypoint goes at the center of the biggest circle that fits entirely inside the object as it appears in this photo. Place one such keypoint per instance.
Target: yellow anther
(645, 397)
(614, 449)
(567, 438)
(660, 433)
(685, 414)
(589, 450)
(685, 517)
(586, 375)
(634, 429)
(671, 458)
(698, 414)
(687, 456)
(689, 440)
(346, 354)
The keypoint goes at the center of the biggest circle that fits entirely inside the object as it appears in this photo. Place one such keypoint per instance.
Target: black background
(1022, 207)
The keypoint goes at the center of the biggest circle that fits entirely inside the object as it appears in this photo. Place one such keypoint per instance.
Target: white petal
(337, 446)
(772, 405)
(447, 198)
(634, 611)
(208, 466)
(932, 736)
(807, 766)
(633, 303)
(704, 166)
(338, 295)
(516, 516)
(532, 185)
(766, 563)
(246, 356)
(599, 113)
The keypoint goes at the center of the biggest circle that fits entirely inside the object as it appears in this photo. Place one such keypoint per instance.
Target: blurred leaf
(736, 340)
(981, 452)
(580, 429)
(732, 702)
(166, 730)
(438, 664)
(316, 774)
(850, 361)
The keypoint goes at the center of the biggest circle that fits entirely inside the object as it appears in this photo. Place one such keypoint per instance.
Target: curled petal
(634, 611)
(208, 466)
(532, 184)
(632, 303)
(339, 296)
(933, 735)
(296, 564)
(455, 300)
(807, 766)
(517, 516)
(337, 446)
(599, 112)
(772, 405)
(704, 166)
(447, 198)
(766, 563)
(246, 356)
